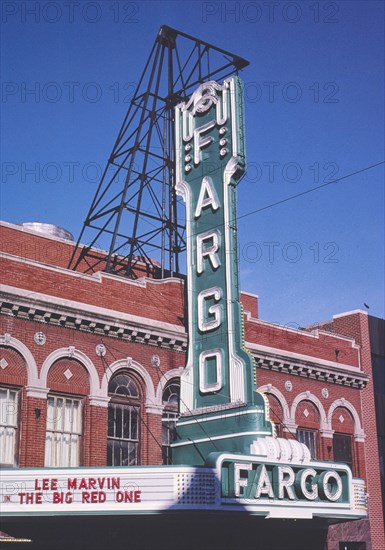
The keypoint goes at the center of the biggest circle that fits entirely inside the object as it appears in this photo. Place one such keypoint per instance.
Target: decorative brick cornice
(95, 320)
(325, 371)
(85, 319)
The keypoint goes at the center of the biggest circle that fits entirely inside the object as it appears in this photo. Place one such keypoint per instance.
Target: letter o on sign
(330, 486)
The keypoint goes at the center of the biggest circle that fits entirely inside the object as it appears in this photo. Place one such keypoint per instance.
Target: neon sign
(218, 379)
(224, 422)
(226, 456)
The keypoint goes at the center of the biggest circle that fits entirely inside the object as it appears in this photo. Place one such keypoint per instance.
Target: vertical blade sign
(210, 162)
(218, 378)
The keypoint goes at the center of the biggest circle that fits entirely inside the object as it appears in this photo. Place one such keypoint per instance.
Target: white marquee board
(135, 490)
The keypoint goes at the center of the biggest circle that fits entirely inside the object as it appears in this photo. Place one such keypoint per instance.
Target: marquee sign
(232, 482)
(293, 490)
(91, 490)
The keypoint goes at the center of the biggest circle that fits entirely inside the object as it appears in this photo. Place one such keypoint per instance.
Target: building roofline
(353, 312)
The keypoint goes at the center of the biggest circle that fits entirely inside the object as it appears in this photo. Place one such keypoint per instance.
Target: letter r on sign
(209, 251)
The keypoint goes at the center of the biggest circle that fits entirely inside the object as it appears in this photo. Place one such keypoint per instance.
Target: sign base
(218, 429)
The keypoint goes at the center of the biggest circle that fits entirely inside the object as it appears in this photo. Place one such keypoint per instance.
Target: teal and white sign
(218, 380)
(229, 482)
(224, 423)
(301, 488)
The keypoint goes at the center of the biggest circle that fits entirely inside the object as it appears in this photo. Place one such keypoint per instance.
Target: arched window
(170, 399)
(123, 421)
(343, 427)
(308, 421)
(68, 381)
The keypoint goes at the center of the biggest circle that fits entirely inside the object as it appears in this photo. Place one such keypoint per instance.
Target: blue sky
(314, 99)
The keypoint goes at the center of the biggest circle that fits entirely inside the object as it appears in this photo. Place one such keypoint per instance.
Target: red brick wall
(32, 436)
(307, 415)
(95, 452)
(77, 384)
(342, 421)
(32, 443)
(35, 247)
(42, 248)
(355, 325)
(323, 346)
(155, 301)
(250, 304)
(15, 373)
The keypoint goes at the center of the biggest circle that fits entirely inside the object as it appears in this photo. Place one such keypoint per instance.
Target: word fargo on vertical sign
(218, 378)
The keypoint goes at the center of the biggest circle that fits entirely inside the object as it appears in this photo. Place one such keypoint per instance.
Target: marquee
(229, 483)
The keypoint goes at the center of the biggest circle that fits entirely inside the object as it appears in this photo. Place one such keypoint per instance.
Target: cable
(251, 213)
(189, 410)
(311, 190)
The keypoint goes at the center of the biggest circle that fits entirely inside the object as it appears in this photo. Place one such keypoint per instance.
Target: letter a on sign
(207, 197)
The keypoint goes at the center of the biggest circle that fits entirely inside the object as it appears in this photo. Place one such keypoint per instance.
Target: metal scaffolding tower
(135, 209)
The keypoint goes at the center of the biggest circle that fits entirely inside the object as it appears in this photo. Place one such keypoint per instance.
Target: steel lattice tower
(135, 209)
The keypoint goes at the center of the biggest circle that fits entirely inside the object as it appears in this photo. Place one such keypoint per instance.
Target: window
(342, 445)
(309, 438)
(170, 416)
(123, 421)
(8, 426)
(64, 432)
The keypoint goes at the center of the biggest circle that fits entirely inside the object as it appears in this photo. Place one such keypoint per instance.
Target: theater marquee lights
(228, 482)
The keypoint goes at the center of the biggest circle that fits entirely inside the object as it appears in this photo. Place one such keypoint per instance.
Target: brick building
(90, 369)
